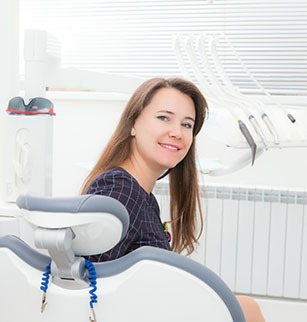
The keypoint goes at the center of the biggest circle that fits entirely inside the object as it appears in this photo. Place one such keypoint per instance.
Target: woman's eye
(162, 117)
(187, 125)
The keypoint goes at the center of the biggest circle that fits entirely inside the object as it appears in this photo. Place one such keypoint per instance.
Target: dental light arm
(207, 87)
(234, 91)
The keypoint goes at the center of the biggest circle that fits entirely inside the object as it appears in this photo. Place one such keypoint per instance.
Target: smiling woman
(156, 134)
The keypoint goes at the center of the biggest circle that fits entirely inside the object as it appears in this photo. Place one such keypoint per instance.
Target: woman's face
(163, 133)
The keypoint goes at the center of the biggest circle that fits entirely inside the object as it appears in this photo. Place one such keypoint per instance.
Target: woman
(156, 136)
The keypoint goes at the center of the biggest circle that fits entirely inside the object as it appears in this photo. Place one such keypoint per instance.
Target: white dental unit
(148, 284)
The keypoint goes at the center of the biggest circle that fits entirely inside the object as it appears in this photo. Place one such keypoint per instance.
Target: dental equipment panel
(147, 284)
(257, 124)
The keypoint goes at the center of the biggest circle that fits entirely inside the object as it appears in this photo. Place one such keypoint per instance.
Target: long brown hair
(183, 182)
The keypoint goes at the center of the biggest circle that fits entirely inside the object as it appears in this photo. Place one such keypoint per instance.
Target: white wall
(81, 129)
(9, 63)
(9, 53)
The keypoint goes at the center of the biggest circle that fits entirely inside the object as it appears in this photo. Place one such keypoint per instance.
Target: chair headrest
(98, 222)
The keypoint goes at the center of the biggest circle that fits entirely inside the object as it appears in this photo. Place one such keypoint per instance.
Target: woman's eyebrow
(190, 118)
(172, 113)
(165, 111)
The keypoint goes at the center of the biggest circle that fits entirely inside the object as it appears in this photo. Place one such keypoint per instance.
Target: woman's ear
(133, 131)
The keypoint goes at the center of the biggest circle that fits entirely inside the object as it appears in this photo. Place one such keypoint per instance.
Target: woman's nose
(175, 131)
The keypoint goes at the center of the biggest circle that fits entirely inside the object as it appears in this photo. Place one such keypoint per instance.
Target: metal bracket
(67, 269)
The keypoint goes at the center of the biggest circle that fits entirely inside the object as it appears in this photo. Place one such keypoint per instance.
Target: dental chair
(57, 282)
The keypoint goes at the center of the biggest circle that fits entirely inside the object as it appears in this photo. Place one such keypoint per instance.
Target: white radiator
(255, 238)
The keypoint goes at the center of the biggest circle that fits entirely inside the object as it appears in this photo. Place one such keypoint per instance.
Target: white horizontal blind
(135, 37)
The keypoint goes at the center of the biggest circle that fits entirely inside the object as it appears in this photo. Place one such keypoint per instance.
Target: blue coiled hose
(92, 277)
(45, 278)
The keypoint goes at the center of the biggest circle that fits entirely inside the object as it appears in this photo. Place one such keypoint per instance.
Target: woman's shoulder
(115, 181)
(113, 177)
(117, 173)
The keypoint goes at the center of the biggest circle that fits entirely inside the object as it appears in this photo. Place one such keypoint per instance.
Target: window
(135, 37)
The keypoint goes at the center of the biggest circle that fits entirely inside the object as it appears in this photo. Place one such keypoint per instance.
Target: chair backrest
(148, 284)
